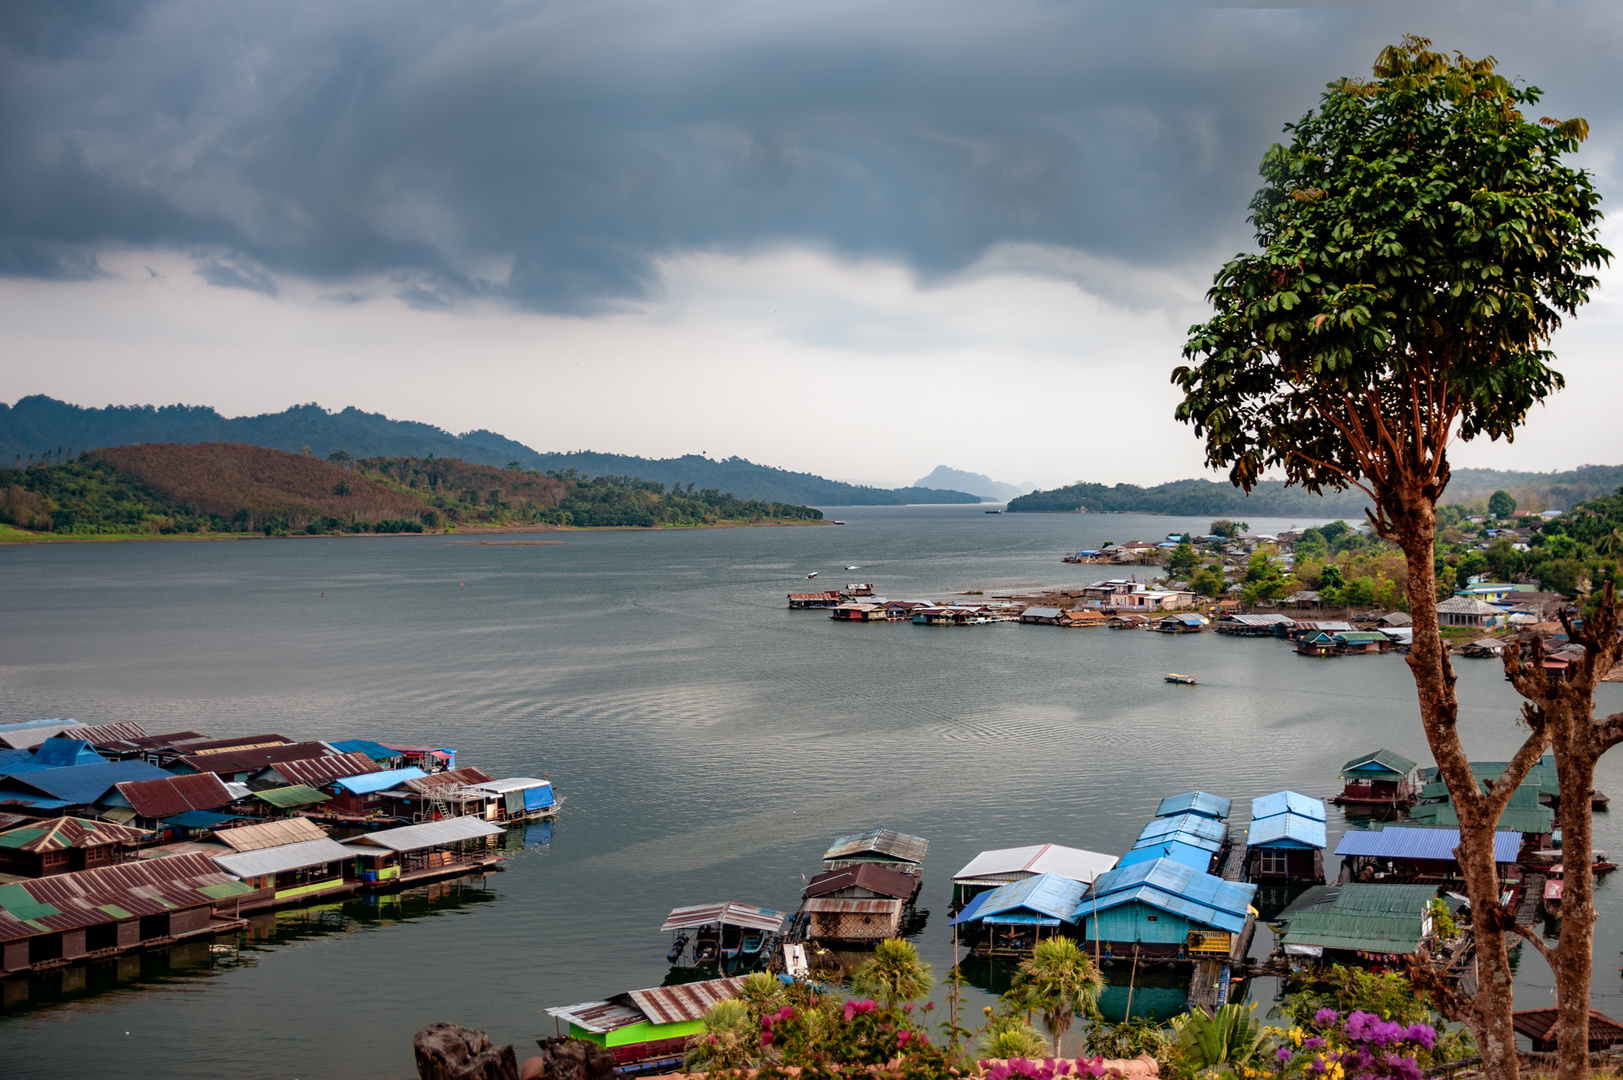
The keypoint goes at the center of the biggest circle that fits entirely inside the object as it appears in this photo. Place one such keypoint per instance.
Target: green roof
(1380, 761)
(18, 837)
(1361, 898)
(1541, 775)
(1536, 819)
(226, 889)
(1361, 637)
(115, 911)
(1363, 933)
(295, 795)
(21, 905)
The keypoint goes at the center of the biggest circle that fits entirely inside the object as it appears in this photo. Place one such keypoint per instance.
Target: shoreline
(18, 538)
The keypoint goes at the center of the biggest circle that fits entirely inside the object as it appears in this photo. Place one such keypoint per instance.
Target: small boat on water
(837, 521)
(1552, 897)
(722, 932)
(994, 511)
(1187, 680)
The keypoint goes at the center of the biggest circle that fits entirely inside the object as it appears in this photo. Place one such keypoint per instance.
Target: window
(1274, 862)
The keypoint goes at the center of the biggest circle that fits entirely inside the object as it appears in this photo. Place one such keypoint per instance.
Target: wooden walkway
(1209, 985)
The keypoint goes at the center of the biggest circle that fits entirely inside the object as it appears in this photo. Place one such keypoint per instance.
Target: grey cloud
(227, 273)
(550, 153)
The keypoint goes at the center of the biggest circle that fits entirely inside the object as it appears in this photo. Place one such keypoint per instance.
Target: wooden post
(1131, 979)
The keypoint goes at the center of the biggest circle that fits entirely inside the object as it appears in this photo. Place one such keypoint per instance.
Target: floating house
(413, 854)
(1253, 625)
(27, 734)
(1348, 923)
(1199, 803)
(1082, 617)
(859, 613)
(52, 792)
(802, 601)
(57, 752)
(285, 862)
(1417, 855)
(1523, 813)
(517, 798)
(151, 801)
(291, 800)
(362, 795)
(1163, 908)
(1541, 1028)
(1286, 840)
(1010, 919)
(990, 869)
(1178, 624)
(56, 920)
(858, 904)
(64, 845)
(722, 931)
(897, 851)
(647, 1030)
(316, 771)
(1378, 779)
(439, 795)
(1362, 642)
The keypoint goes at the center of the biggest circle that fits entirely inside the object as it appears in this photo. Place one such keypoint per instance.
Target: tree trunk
(1412, 524)
(1572, 960)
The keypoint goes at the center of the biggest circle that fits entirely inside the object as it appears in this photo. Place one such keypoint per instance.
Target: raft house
(1165, 909)
(857, 904)
(1418, 855)
(647, 1030)
(1003, 866)
(722, 931)
(1378, 779)
(1286, 841)
(417, 854)
(1357, 924)
(1010, 919)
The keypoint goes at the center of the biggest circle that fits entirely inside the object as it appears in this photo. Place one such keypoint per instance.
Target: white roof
(428, 834)
(514, 783)
(273, 860)
(1067, 862)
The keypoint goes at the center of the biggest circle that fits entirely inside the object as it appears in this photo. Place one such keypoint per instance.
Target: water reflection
(199, 961)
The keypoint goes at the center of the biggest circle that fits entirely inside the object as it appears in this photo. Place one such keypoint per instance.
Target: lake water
(709, 742)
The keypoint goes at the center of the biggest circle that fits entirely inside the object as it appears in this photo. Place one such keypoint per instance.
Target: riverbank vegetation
(166, 489)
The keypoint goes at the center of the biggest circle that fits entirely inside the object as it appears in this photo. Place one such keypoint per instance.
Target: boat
(811, 575)
(994, 511)
(754, 942)
(1552, 897)
(732, 940)
(677, 948)
(837, 521)
(722, 931)
(1187, 680)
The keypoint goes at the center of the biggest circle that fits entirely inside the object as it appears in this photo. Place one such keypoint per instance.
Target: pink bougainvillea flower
(1326, 1017)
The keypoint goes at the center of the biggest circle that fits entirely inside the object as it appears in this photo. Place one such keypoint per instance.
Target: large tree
(1420, 241)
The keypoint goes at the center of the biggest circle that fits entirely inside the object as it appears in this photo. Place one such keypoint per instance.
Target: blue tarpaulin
(538, 798)
(367, 783)
(375, 751)
(200, 819)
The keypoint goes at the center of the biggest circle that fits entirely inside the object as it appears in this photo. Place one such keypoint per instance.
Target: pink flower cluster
(1046, 1069)
(853, 1009)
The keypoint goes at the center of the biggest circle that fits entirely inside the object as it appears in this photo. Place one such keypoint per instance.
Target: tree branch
(1609, 732)
(1538, 942)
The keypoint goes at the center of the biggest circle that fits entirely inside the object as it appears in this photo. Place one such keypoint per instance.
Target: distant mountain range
(40, 425)
(974, 483)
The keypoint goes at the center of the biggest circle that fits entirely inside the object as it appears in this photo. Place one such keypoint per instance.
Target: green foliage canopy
(1421, 240)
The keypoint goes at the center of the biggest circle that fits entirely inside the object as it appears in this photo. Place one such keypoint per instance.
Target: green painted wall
(314, 886)
(639, 1033)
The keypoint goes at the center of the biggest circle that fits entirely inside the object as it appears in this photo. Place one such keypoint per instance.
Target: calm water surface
(709, 741)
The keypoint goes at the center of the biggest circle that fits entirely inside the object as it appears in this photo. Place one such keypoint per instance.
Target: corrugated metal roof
(511, 783)
(82, 785)
(1287, 830)
(1207, 830)
(1260, 620)
(69, 901)
(1282, 802)
(26, 736)
(1363, 933)
(1541, 1024)
(1525, 819)
(429, 834)
(59, 834)
(293, 795)
(23, 725)
(117, 731)
(1367, 898)
(1074, 863)
(449, 779)
(59, 752)
(175, 740)
(169, 795)
(1042, 613)
(378, 781)
(728, 912)
(239, 742)
(316, 771)
(1195, 802)
(1047, 895)
(1395, 842)
(1196, 858)
(1176, 879)
(871, 876)
(274, 860)
(375, 751)
(688, 1001)
(850, 905)
(235, 760)
(600, 1017)
(1187, 839)
(1195, 912)
(1379, 761)
(272, 834)
(893, 845)
(201, 819)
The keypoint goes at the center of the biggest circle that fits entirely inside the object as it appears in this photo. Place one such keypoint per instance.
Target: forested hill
(1532, 491)
(202, 488)
(38, 426)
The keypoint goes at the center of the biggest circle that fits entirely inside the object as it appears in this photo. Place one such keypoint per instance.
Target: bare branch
(1608, 732)
(1500, 791)
(1538, 942)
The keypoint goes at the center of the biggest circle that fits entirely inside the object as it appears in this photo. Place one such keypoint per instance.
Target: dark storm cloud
(550, 153)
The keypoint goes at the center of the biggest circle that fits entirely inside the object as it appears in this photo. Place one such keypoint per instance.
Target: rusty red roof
(689, 1001)
(59, 834)
(126, 891)
(173, 795)
(870, 876)
(316, 771)
(449, 779)
(259, 757)
(240, 742)
(176, 739)
(114, 732)
(1540, 1026)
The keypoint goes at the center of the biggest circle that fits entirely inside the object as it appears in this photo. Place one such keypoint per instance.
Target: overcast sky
(858, 239)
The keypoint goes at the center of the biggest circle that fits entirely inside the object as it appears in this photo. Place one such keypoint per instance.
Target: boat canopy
(726, 913)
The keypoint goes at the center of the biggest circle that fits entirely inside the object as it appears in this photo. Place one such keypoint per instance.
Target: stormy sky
(860, 239)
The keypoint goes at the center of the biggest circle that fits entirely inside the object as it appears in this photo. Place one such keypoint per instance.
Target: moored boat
(1187, 680)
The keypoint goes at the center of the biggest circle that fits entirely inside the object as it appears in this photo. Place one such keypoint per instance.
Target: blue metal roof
(62, 753)
(1287, 802)
(1171, 886)
(1195, 802)
(1287, 831)
(80, 785)
(1395, 842)
(373, 750)
(367, 783)
(10, 757)
(200, 819)
(34, 723)
(1205, 828)
(1032, 899)
(1197, 858)
(1206, 843)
